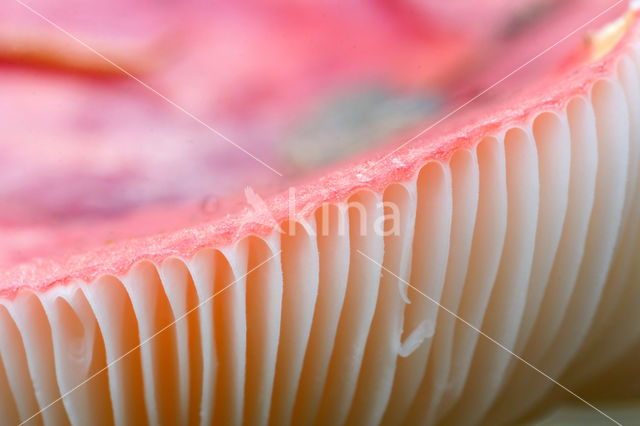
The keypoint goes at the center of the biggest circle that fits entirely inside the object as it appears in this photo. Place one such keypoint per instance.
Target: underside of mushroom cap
(338, 301)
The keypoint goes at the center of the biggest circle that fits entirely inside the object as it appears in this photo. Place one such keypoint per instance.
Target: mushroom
(479, 274)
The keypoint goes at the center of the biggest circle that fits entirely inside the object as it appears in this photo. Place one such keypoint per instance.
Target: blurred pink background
(300, 85)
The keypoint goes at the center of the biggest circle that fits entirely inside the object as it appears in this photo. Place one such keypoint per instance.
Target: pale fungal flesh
(531, 236)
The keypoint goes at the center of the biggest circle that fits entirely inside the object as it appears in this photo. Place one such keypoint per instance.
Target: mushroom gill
(414, 304)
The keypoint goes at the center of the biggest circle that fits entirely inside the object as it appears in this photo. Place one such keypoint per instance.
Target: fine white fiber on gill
(431, 240)
(486, 249)
(464, 198)
(530, 236)
(383, 343)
